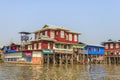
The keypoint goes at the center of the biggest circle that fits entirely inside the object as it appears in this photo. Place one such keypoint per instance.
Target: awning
(47, 51)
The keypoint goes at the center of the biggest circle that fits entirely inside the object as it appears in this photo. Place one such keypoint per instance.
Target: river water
(59, 72)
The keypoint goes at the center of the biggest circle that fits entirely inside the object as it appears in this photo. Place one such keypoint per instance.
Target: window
(37, 36)
(66, 36)
(117, 45)
(62, 46)
(56, 33)
(57, 46)
(46, 33)
(106, 46)
(75, 37)
(94, 49)
(98, 49)
(70, 37)
(62, 34)
(39, 46)
(89, 49)
(48, 45)
(52, 34)
(40, 34)
(69, 46)
(29, 47)
(35, 46)
(111, 45)
(65, 46)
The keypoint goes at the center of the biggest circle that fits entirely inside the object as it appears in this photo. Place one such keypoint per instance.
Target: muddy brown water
(59, 72)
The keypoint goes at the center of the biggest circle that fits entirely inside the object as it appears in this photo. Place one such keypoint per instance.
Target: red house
(53, 41)
(112, 48)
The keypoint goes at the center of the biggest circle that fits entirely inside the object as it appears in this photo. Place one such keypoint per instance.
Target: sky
(97, 20)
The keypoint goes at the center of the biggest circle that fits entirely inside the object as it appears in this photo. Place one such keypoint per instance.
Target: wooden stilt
(109, 60)
(90, 59)
(66, 59)
(114, 60)
(72, 59)
(118, 60)
(60, 59)
(79, 57)
(48, 59)
(83, 61)
(54, 58)
(104, 60)
(96, 58)
(42, 59)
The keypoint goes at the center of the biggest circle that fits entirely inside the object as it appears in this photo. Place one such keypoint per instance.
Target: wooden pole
(42, 59)
(48, 59)
(66, 59)
(114, 60)
(90, 59)
(54, 58)
(104, 58)
(72, 59)
(60, 59)
(83, 58)
(118, 59)
(96, 58)
(79, 57)
(109, 60)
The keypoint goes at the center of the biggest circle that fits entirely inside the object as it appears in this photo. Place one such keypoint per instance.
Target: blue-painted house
(95, 50)
(92, 49)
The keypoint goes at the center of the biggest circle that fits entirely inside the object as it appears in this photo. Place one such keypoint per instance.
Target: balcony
(64, 51)
(44, 38)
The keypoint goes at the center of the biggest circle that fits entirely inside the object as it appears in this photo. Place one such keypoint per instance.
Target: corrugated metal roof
(46, 27)
(90, 44)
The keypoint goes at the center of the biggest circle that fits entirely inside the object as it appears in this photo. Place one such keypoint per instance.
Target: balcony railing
(63, 50)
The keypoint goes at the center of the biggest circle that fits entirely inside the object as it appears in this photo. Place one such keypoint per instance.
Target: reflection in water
(96, 72)
(59, 72)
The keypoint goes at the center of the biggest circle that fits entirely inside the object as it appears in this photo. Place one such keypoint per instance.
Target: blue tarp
(11, 51)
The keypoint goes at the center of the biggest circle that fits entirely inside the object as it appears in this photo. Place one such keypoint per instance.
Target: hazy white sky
(97, 20)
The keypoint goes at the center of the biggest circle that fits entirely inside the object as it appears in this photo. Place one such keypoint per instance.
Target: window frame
(62, 34)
